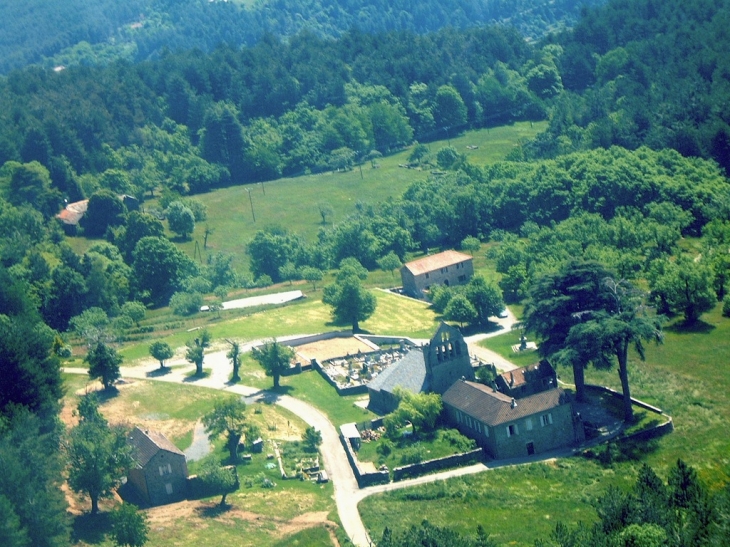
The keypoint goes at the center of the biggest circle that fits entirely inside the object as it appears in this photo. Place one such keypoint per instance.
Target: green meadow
(292, 202)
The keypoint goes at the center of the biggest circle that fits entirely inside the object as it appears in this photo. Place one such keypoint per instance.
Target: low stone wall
(418, 469)
(363, 479)
(646, 434)
(302, 340)
(378, 340)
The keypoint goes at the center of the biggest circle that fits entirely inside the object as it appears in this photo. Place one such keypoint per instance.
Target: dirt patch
(194, 511)
(274, 424)
(328, 349)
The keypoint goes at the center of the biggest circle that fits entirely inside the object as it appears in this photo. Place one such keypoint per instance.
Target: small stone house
(511, 428)
(528, 380)
(160, 470)
(431, 368)
(447, 268)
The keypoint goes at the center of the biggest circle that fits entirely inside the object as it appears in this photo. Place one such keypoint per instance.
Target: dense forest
(635, 158)
(96, 32)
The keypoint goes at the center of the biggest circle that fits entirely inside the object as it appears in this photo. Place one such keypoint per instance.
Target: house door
(530, 449)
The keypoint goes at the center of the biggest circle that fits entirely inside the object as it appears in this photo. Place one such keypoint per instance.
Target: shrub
(413, 454)
(385, 448)
(186, 303)
(726, 306)
(458, 441)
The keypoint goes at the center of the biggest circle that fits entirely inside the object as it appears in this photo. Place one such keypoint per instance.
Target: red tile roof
(530, 373)
(494, 408)
(73, 212)
(436, 262)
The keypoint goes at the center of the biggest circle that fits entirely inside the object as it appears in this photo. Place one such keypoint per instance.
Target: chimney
(511, 379)
(513, 404)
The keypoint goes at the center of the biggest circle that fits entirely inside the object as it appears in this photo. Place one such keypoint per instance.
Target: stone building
(431, 368)
(447, 268)
(510, 428)
(160, 470)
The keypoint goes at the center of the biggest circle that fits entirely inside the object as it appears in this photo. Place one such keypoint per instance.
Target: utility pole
(250, 199)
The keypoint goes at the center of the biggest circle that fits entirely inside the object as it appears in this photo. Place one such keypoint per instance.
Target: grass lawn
(394, 315)
(503, 343)
(685, 377)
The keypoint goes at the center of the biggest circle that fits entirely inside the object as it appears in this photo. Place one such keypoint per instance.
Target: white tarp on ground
(277, 298)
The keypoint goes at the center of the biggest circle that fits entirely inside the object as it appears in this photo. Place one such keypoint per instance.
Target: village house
(507, 427)
(160, 470)
(528, 380)
(431, 368)
(447, 268)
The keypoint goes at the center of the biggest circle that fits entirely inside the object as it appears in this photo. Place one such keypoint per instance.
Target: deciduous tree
(219, 480)
(390, 263)
(234, 354)
(274, 357)
(104, 364)
(99, 457)
(227, 417)
(129, 526)
(161, 351)
(350, 301)
(196, 350)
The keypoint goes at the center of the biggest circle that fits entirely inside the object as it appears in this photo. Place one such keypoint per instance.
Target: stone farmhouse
(160, 471)
(534, 416)
(447, 268)
(430, 368)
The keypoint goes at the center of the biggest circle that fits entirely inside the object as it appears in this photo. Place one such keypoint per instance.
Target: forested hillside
(90, 32)
(647, 72)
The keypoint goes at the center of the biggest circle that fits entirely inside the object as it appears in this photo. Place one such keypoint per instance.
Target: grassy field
(684, 377)
(393, 315)
(292, 202)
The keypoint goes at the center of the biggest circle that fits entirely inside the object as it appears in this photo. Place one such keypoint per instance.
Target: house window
(462, 278)
(546, 419)
(458, 417)
(512, 430)
(165, 469)
(168, 488)
(528, 424)
(426, 275)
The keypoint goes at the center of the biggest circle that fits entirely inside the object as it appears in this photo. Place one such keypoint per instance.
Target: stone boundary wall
(375, 339)
(646, 434)
(363, 479)
(418, 469)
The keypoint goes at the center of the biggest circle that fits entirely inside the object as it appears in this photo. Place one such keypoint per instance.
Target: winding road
(347, 492)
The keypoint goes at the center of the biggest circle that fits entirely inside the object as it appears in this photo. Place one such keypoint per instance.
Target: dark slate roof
(435, 262)
(494, 408)
(530, 373)
(146, 444)
(408, 373)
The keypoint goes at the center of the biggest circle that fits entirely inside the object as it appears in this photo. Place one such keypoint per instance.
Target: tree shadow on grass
(90, 529)
(158, 372)
(194, 376)
(213, 511)
(105, 395)
(696, 327)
